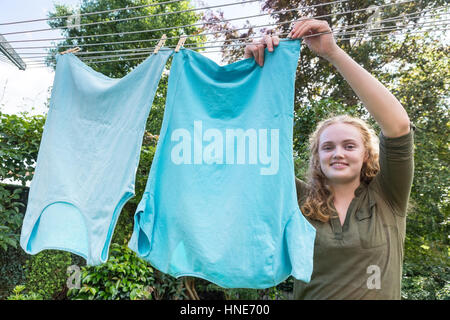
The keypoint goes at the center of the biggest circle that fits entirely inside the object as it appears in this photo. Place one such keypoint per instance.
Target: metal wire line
(42, 65)
(202, 23)
(357, 34)
(91, 13)
(195, 24)
(341, 37)
(141, 17)
(176, 37)
(392, 19)
(242, 44)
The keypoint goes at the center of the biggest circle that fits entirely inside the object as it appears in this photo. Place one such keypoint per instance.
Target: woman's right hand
(256, 49)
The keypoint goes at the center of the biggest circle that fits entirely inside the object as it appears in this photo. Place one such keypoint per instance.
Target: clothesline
(337, 32)
(392, 19)
(92, 13)
(203, 23)
(145, 53)
(150, 16)
(410, 16)
(403, 21)
(42, 64)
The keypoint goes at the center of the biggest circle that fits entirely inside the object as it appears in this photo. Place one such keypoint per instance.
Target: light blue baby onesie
(220, 201)
(88, 156)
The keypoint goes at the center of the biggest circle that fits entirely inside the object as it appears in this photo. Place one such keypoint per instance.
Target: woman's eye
(350, 146)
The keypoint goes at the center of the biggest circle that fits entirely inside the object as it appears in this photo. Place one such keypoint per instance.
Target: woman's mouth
(339, 165)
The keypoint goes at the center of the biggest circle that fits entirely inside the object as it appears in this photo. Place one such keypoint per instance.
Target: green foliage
(210, 291)
(167, 287)
(154, 121)
(414, 68)
(11, 270)
(19, 295)
(426, 270)
(20, 137)
(136, 40)
(430, 284)
(147, 153)
(124, 227)
(46, 273)
(123, 276)
(10, 219)
(236, 294)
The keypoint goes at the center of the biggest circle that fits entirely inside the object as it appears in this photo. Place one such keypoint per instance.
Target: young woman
(358, 184)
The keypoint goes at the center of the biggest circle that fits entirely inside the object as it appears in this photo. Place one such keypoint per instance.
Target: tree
(123, 21)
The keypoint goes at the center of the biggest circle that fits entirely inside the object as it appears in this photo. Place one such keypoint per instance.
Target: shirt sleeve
(301, 187)
(396, 169)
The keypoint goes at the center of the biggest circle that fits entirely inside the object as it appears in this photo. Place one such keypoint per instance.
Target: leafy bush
(18, 295)
(167, 287)
(46, 273)
(210, 291)
(123, 276)
(11, 270)
(10, 218)
(432, 283)
(20, 137)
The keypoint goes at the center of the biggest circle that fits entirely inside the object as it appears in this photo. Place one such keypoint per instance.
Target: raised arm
(396, 144)
(381, 104)
(378, 100)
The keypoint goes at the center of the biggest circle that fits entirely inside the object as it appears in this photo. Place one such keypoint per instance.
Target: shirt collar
(360, 189)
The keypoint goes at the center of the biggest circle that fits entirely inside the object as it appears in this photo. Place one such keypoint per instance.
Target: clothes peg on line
(71, 50)
(180, 43)
(160, 43)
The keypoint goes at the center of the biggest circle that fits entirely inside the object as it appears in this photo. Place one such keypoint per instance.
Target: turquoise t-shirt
(88, 156)
(220, 202)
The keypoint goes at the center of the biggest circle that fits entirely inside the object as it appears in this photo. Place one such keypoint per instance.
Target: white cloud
(24, 90)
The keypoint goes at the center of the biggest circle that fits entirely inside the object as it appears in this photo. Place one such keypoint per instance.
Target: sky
(29, 90)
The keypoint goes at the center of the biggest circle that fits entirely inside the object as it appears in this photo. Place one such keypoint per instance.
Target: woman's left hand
(323, 45)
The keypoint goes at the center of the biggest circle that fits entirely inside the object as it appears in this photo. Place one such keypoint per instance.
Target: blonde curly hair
(319, 199)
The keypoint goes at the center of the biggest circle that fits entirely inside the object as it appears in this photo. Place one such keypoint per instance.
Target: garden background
(415, 68)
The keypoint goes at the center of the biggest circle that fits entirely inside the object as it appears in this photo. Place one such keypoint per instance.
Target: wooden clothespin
(71, 50)
(160, 44)
(180, 43)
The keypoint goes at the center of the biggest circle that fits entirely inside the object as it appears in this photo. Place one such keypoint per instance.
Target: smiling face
(341, 153)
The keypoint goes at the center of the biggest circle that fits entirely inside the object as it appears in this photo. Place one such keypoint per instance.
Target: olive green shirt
(362, 259)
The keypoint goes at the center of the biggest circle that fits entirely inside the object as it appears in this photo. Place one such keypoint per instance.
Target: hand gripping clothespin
(160, 44)
(71, 50)
(180, 43)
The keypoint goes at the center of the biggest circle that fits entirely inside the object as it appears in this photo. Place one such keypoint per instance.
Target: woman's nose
(338, 152)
